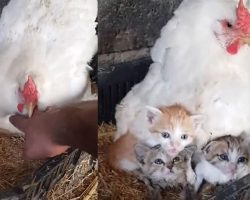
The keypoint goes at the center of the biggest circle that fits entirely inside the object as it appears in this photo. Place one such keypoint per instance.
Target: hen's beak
(30, 108)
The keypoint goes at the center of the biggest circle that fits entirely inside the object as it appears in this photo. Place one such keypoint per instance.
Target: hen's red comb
(29, 91)
(243, 18)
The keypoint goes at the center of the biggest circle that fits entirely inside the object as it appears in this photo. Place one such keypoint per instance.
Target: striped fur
(223, 159)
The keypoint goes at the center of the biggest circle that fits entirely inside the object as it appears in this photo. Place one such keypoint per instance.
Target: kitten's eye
(242, 160)
(165, 134)
(176, 159)
(184, 137)
(159, 161)
(224, 157)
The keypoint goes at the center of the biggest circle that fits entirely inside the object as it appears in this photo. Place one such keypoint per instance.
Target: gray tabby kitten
(158, 170)
(222, 160)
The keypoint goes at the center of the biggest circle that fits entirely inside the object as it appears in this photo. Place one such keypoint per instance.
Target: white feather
(191, 68)
(51, 40)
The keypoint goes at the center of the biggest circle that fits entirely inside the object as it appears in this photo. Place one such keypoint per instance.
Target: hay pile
(13, 169)
(115, 186)
(78, 183)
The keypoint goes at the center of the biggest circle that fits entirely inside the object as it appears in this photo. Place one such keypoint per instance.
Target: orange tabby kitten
(172, 127)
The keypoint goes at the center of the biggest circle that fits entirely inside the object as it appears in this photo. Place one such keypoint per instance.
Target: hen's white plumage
(51, 40)
(192, 67)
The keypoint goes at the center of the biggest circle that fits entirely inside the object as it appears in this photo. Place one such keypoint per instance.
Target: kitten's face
(157, 165)
(175, 129)
(229, 155)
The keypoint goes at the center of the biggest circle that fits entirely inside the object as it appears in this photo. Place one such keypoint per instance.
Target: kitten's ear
(198, 120)
(152, 114)
(140, 151)
(209, 146)
(245, 137)
(213, 147)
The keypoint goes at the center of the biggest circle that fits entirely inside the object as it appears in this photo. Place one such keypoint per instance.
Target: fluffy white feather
(51, 40)
(193, 68)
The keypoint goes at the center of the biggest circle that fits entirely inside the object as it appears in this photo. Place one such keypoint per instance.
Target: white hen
(201, 61)
(45, 48)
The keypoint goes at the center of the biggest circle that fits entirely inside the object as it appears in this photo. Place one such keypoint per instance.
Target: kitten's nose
(166, 171)
(232, 167)
(177, 144)
(172, 152)
(170, 166)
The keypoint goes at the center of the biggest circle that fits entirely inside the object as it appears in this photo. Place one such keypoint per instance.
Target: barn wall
(126, 25)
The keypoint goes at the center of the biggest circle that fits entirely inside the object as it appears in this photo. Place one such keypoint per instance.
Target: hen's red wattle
(29, 92)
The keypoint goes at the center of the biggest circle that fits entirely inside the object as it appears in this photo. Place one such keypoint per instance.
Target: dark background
(2, 4)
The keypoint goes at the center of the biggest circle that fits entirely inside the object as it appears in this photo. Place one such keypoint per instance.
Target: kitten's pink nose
(170, 166)
(172, 152)
(232, 168)
(177, 144)
(166, 171)
(174, 144)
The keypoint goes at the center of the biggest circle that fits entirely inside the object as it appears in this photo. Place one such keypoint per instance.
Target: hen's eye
(229, 25)
(165, 134)
(184, 137)
(242, 160)
(223, 157)
(159, 161)
(176, 159)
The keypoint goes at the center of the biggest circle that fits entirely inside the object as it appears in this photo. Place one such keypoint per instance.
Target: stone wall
(131, 24)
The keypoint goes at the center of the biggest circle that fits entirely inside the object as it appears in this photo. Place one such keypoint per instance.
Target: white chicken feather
(192, 67)
(51, 41)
